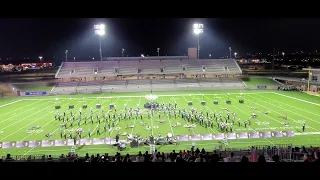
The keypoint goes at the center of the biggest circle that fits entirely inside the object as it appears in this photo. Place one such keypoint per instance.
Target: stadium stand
(133, 74)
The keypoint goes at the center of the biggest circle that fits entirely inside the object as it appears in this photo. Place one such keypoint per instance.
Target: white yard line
(248, 115)
(15, 122)
(297, 99)
(53, 87)
(169, 120)
(115, 103)
(292, 106)
(19, 109)
(134, 121)
(47, 137)
(94, 129)
(46, 114)
(46, 125)
(303, 117)
(210, 111)
(272, 110)
(10, 103)
(244, 84)
(185, 120)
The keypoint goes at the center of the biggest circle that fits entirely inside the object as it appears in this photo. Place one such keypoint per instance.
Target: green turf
(16, 118)
(256, 81)
(35, 86)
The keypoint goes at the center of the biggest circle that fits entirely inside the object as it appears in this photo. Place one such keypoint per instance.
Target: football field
(19, 115)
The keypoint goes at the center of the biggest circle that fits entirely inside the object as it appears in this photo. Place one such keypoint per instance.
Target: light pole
(230, 51)
(100, 30)
(66, 55)
(158, 51)
(197, 30)
(283, 55)
(210, 56)
(123, 51)
(40, 57)
(235, 55)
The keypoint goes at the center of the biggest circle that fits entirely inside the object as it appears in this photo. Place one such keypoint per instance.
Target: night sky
(22, 38)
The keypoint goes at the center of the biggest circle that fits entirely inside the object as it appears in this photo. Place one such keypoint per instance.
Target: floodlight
(197, 30)
(100, 30)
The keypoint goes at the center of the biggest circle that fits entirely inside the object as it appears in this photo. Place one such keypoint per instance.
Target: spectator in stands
(139, 158)
(126, 158)
(184, 153)
(276, 158)
(154, 153)
(203, 151)
(106, 157)
(214, 157)
(97, 158)
(86, 157)
(146, 156)
(179, 159)
(71, 157)
(200, 158)
(91, 158)
(197, 151)
(8, 158)
(167, 159)
(157, 158)
(43, 158)
(261, 158)
(163, 156)
(316, 156)
(49, 159)
(29, 159)
(230, 159)
(244, 159)
(192, 158)
(307, 158)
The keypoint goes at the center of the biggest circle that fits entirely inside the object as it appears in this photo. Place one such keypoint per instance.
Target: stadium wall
(18, 92)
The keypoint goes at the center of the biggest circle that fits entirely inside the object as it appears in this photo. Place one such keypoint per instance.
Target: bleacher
(136, 67)
(146, 85)
(168, 73)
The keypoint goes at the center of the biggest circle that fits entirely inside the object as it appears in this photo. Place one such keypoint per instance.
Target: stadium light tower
(123, 52)
(235, 55)
(158, 51)
(283, 55)
(100, 30)
(230, 51)
(197, 30)
(40, 57)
